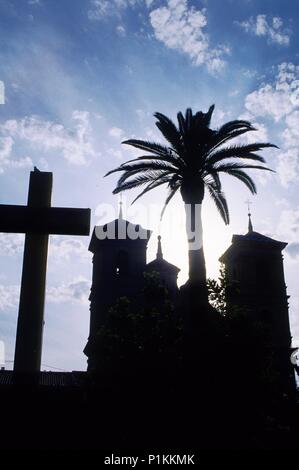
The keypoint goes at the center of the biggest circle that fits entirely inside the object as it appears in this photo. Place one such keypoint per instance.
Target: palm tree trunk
(197, 266)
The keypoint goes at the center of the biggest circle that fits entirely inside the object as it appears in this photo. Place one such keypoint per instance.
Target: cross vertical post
(32, 296)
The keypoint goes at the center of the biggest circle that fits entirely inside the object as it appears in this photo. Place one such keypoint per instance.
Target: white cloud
(291, 132)
(277, 99)
(121, 30)
(272, 29)
(9, 297)
(288, 225)
(182, 29)
(288, 166)
(75, 291)
(11, 243)
(74, 144)
(268, 101)
(220, 116)
(249, 73)
(6, 145)
(63, 249)
(260, 135)
(116, 132)
(115, 153)
(100, 9)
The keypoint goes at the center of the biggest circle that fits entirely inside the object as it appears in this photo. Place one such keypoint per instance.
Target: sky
(80, 76)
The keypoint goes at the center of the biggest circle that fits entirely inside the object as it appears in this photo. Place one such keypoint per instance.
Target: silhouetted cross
(37, 220)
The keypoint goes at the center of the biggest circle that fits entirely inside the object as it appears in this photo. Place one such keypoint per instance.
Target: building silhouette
(255, 279)
(168, 273)
(119, 263)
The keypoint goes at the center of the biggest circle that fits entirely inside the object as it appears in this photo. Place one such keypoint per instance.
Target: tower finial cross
(250, 227)
(248, 202)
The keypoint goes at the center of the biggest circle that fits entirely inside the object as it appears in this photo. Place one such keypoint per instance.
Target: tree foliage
(137, 337)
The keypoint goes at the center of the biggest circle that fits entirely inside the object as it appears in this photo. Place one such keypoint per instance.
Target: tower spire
(250, 227)
(159, 251)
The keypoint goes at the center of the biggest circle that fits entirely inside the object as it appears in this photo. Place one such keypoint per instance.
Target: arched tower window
(122, 263)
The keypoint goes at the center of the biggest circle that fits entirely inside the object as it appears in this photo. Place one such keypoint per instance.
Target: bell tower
(254, 263)
(254, 267)
(119, 261)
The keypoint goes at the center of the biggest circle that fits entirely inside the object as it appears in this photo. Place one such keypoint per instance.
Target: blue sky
(82, 75)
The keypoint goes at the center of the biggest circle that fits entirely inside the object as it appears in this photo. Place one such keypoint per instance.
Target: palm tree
(192, 163)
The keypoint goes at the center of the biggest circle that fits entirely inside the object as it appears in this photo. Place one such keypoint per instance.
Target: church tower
(254, 264)
(119, 261)
(254, 268)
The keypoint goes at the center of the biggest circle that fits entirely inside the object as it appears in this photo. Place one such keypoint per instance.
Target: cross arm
(50, 220)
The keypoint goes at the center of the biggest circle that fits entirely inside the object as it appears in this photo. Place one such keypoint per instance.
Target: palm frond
(139, 180)
(212, 178)
(182, 124)
(175, 179)
(169, 131)
(223, 167)
(217, 140)
(231, 126)
(143, 166)
(242, 176)
(152, 185)
(238, 151)
(188, 119)
(208, 116)
(168, 199)
(174, 160)
(220, 202)
(154, 147)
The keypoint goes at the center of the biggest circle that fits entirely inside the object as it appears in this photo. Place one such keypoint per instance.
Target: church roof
(160, 264)
(118, 229)
(252, 239)
(258, 237)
